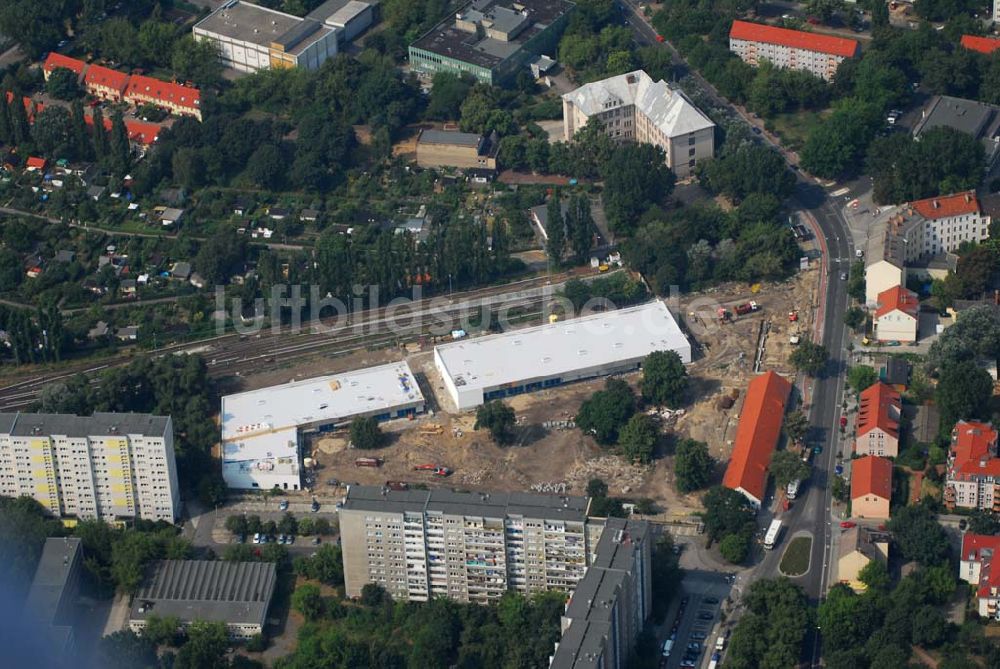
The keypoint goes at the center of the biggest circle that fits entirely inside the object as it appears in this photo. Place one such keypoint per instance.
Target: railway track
(235, 355)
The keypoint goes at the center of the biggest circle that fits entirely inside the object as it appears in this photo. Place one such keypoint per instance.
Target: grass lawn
(794, 128)
(795, 561)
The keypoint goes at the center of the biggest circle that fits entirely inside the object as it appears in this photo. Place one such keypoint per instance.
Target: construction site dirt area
(550, 454)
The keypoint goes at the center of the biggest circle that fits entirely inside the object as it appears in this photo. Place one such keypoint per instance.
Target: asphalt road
(811, 512)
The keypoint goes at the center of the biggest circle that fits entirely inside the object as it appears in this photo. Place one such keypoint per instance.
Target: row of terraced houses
(112, 85)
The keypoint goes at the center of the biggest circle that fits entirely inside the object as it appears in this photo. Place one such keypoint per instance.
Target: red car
(843, 422)
(660, 39)
(847, 524)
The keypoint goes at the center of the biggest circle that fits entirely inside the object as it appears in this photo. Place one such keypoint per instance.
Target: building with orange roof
(757, 436)
(973, 477)
(56, 60)
(877, 430)
(980, 567)
(794, 49)
(985, 45)
(105, 83)
(34, 164)
(896, 315)
(918, 231)
(176, 98)
(871, 487)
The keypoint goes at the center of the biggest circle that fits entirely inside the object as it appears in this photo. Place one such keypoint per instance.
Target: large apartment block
(794, 49)
(916, 232)
(109, 466)
(609, 605)
(471, 547)
(632, 107)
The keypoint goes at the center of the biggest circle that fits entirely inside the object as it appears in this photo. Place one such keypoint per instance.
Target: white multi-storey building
(109, 466)
(973, 477)
(471, 547)
(919, 231)
(792, 49)
(633, 107)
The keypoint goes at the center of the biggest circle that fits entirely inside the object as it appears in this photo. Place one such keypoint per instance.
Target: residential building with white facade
(633, 108)
(897, 315)
(819, 54)
(972, 480)
(978, 566)
(918, 231)
(468, 546)
(109, 466)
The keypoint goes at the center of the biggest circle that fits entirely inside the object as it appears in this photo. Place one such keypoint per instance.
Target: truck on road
(793, 489)
(771, 538)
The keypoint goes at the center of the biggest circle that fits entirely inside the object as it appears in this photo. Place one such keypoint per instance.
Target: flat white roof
(320, 400)
(546, 351)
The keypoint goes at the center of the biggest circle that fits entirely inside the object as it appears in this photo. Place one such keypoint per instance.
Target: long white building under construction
(521, 361)
(261, 429)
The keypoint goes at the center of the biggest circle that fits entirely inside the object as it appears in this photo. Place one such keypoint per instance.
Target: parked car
(698, 636)
(316, 541)
(283, 505)
(256, 537)
(241, 539)
(711, 600)
(694, 647)
(315, 506)
(705, 615)
(847, 524)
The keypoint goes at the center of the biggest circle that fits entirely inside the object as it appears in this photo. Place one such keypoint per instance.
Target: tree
(638, 438)
(237, 524)
(930, 628)
(62, 84)
(555, 230)
(597, 488)
(100, 134)
(162, 630)
(308, 601)
(125, 649)
(52, 131)
(735, 547)
(747, 170)
(326, 566)
(266, 167)
(836, 146)
(366, 433)
(796, 425)
(824, 9)
(786, 466)
(448, 91)
(943, 161)
(860, 377)
(205, 648)
(664, 379)
(726, 512)
(635, 177)
(841, 491)
(189, 168)
(221, 256)
(963, 392)
(607, 411)
(984, 522)
(810, 358)
(580, 227)
(287, 524)
(770, 634)
(693, 465)
(497, 418)
(875, 575)
(916, 531)
(854, 318)
(197, 61)
(118, 146)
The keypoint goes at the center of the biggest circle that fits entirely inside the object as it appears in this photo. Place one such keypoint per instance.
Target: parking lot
(694, 622)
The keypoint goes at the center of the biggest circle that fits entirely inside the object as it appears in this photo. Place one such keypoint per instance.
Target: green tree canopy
(638, 438)
(498, 418)
(809, 357)
(860, 377)
(787, 466)
(693, 465)
(664, 379)
(605, 413)
(726, 512)
(366, 433)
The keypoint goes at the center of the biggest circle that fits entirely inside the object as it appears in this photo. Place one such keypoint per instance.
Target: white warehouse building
(521, 361)
(261, 428)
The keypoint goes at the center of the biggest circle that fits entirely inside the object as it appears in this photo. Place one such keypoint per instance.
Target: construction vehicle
(793, 316)
(723, 315)
(442, 471)
(602, 268)
(397, 485)
(425, 468)
(368, 462)
(431, 428)
(746, 308)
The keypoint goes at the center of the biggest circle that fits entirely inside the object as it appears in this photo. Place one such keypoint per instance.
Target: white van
(668, 645)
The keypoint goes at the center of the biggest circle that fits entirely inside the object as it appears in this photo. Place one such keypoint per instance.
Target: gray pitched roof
(492, 505)
(216, 591)
(100, 424)
(667, 106)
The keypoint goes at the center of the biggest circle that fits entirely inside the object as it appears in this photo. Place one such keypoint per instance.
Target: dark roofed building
(51, 599)
(978, 119)
(492, 39)
(235, 593)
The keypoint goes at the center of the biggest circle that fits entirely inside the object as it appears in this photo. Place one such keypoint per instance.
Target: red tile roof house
(55, 61)
(979, 567)
(795, 49)
(897, 315)
(105, 83)
(878, 422)
(981, 44)
(176, 98)
(973, 477)
(757, 436)
(35, 164)
(871, 487)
